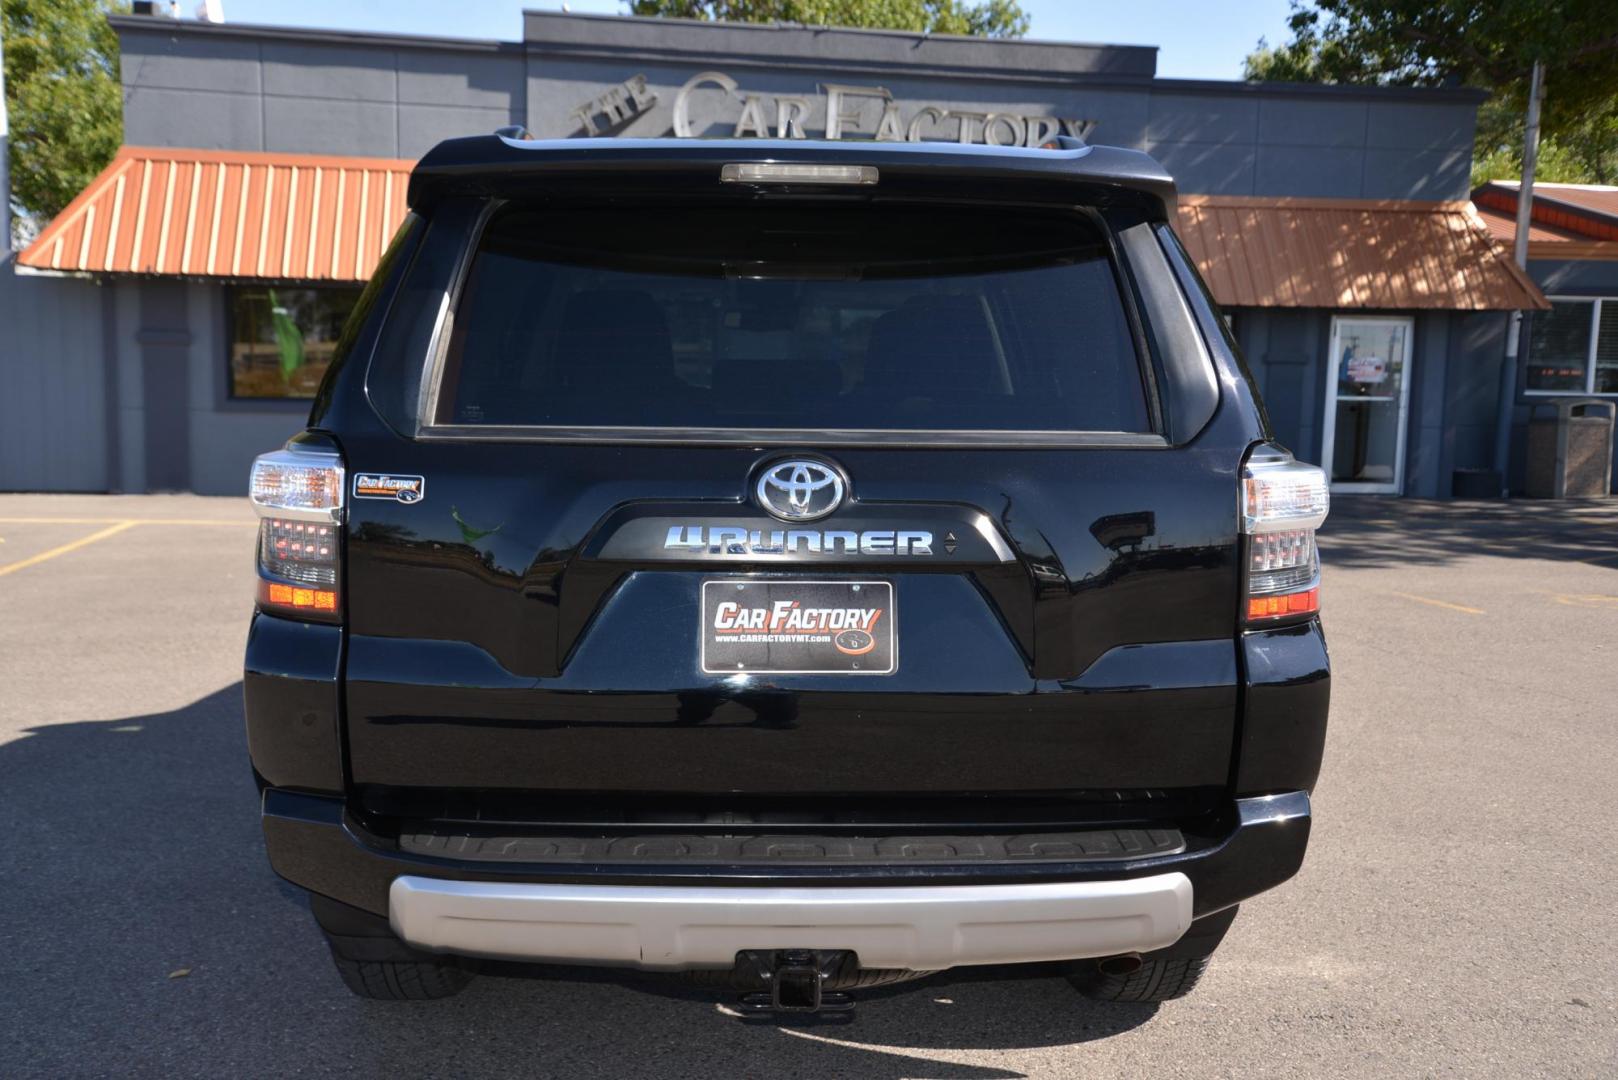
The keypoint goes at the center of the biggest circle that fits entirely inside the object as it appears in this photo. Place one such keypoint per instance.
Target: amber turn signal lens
(296, 598)
(1273, 607)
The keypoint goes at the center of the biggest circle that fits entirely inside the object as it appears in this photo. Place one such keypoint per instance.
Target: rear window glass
(761, 316)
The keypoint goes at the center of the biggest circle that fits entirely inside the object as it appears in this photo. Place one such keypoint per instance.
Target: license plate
(798, 627)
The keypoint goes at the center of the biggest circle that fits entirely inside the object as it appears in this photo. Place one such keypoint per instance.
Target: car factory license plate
(798, 627)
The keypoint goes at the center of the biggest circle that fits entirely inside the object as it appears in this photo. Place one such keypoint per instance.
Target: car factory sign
(713, 100)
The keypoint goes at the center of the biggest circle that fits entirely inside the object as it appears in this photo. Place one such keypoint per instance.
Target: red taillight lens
(302, 551)
(1283, 502)
(298, 494)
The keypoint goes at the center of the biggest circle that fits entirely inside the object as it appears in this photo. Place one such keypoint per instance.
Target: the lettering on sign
(786, 116)
(617, 106)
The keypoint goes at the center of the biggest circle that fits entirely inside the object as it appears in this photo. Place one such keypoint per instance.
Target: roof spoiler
(1063, 142)
(513, 164)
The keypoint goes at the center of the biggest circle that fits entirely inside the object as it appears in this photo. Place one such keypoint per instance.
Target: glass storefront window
(1573, 348)
(281, 339)
(1606, 351)
(1368, 402)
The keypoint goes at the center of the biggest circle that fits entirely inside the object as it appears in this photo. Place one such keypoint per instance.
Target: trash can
(1570, 451)
(1475, 484)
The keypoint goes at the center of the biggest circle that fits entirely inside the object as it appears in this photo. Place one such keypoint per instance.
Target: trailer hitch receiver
(796, 981)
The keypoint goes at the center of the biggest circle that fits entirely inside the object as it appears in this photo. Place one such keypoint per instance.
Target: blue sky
(1194, 43)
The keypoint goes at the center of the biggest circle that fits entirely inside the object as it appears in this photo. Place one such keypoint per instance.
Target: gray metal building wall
(256, 88)
(179, 429)
(229, 88)
(1455, 371)
(119, 386)
(1581, 277)
(54, 397)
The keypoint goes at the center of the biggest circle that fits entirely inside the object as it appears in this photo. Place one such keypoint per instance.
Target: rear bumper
(674, 927)
(666, 916)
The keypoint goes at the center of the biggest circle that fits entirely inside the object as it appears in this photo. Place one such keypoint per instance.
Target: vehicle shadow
(149, 937)
(1370, 531)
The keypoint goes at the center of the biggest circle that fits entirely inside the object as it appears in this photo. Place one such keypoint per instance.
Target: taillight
(298, 494)
(1283, 503)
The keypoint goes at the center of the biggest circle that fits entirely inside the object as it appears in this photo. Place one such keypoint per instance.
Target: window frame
(1592, 341)
(435, 369)
(231, 289)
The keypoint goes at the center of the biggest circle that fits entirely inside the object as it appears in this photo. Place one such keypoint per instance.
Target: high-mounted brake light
(792, 172)
(1283, 503)
(298, 494)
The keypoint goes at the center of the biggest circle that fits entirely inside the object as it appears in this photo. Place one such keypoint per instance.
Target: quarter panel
(1288, 690)
(291, 700)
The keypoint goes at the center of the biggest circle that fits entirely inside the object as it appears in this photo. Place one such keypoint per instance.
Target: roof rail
(513, 131)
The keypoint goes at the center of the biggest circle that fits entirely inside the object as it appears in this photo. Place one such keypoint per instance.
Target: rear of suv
(799, 565)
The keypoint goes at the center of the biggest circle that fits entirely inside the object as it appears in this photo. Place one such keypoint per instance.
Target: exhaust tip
(1121, 965)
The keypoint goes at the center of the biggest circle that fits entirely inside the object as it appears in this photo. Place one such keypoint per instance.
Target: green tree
(985, 18)
(1583, 152)
(63, 96)
(1490, 44)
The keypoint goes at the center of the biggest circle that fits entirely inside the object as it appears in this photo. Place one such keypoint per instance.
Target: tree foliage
(985, 18)
(1582, 152)
(63, 96)
(1490, 44)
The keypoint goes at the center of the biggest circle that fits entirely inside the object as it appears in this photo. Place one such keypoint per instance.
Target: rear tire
(375, 964)
(401, 980)
(1155, 981)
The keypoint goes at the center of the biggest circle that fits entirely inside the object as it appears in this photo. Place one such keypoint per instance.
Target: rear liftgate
(1020, 631)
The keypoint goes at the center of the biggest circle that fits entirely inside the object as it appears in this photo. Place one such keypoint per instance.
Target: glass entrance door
(1367, 397)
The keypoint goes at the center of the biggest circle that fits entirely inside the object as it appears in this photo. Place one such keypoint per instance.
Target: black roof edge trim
(161, 24)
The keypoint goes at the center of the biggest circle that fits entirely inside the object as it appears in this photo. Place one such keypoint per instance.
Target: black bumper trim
(795, 849)
(313, 843)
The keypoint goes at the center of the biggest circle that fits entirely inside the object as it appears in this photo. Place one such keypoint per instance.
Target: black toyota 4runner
(802, 565)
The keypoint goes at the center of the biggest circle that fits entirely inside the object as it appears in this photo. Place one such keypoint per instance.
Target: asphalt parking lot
(1456, 916)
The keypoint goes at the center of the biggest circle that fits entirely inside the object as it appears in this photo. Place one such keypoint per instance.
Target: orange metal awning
(228, 214)
(1351, 253)
(305, 217)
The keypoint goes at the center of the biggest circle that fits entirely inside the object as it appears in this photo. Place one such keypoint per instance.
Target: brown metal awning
(228, 214)
(1351, 253)
(1568, 222)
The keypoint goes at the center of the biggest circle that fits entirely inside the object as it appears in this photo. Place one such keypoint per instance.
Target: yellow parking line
(1441, 603)
(1586, 600)
(109, 521)
(34, 560)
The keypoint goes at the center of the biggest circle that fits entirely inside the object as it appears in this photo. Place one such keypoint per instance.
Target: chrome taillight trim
(1310, 496)
(268, 507)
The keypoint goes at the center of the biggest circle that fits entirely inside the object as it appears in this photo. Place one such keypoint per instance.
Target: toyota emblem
(800, 490)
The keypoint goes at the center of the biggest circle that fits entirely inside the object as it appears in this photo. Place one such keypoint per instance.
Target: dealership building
(173, 321)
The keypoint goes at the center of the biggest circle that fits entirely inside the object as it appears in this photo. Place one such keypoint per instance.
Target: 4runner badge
(405, 489)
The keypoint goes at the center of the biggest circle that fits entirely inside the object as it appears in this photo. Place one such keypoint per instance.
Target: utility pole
(5, 156)
(1525, 210)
